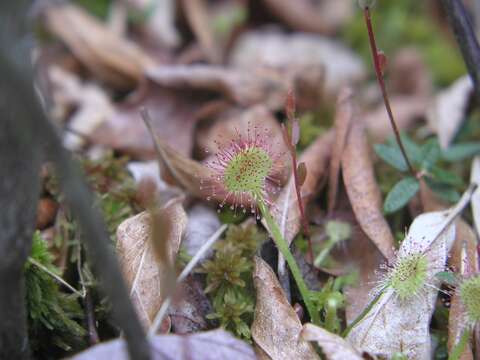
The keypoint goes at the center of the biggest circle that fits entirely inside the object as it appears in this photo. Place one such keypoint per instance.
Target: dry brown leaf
(242, 86)
(395, 325)
(343, 119)
(363, 190)
(475, 179)
(108, 56)
(173, 117)
(407, 110)
(209, 345)
(285, 210)
(190, 307)
(446, 113)
(276, 327)
(199, 18)
(324, 17)
(464, 260)
(333, 346)
(143, 271)
(300, 53)
(91, 104)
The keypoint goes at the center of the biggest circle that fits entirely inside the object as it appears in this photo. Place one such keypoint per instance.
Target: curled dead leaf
(209, 345)
(333, 346)
(464, 260)
(146, 275)
(363, 190)
(108, 56)
(475, 179)
(324, 17)
(276, 327)
(343, 118)
(447, 112)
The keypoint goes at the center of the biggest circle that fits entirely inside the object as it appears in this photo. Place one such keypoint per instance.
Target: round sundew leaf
(247, 171)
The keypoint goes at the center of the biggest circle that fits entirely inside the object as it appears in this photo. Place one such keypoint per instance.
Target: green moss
(229, 280)
(52, 315)
(99, 8)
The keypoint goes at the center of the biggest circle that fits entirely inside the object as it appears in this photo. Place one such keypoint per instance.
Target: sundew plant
(244, 171)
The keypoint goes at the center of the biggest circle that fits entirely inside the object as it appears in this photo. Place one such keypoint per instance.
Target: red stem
(381, 83)
(306, 231)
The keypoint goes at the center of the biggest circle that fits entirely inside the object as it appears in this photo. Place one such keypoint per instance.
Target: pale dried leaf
(173, 117)
(342, 66)
(202, 223)
(276, 327)
(324, 17)
(393, 325)
(464, 260)
(91, 103)
(199, 18)
(446, 113)
(363, 190)
(242, 86)
(142, 269)
(285, 210)
(475, 179)
(108, 56)
(333, 346)
(343, 118)
(210, 345)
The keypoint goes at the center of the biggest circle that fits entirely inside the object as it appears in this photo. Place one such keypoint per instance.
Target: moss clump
(470, 295)
(408, 276)
(229, 280)
(52, 315)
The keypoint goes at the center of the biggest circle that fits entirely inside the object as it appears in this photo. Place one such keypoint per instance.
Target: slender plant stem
(284, 249)
(459, 347)
(381, 83)
(56, 277)
(306, 231)
(363, 313)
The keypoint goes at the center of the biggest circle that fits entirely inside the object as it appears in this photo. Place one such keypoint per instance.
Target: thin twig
(91, 323)
(55, 276)
(191, 264)
(381, 83)
(466, 39)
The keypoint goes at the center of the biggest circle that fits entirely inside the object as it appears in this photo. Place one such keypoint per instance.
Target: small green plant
(52, 314)
(428, 160)
(229, 280)
(336, 232)
(241, 172)
(330, 301)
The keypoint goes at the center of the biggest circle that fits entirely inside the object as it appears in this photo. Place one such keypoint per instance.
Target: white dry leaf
(143, 273)
(93, 105)
(475, 179)
(396, 325)
(202, 223)
(447, 112)
(333, 346)
(268, 48)
(143, 170)
(276, 327)
(208, 345)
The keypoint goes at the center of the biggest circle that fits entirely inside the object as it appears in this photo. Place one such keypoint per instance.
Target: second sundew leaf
(401, 194)
(392, 156)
